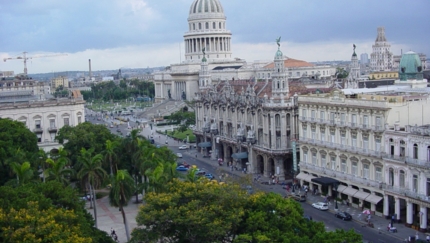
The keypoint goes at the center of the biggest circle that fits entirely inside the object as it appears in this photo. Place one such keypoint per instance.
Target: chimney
(89, 63)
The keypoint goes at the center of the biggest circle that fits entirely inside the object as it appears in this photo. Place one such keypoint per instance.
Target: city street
(191, 156)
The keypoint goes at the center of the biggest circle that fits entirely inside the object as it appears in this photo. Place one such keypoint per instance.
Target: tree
(14, 136)
(341, 73)
(202, 210)
(45, 212)
(58, 170)
(132, 145)
(84, 135)
(110, 154)
(121, 192)
(23, 172)
(91, 173)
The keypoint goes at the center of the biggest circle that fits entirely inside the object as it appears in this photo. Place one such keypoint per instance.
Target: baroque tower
(279, 76)
(354, 72)
(381, 58)
(204, 75)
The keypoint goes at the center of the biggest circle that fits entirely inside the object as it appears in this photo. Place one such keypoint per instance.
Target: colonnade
(179, 88)
(212, 44)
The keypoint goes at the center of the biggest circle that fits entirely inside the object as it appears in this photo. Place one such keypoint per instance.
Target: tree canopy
(126, 88)
(15, 140)
(208, 211)
(45, 212)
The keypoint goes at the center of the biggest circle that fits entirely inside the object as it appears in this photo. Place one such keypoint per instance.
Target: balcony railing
(38, 129)
(407, 192)
(342, 176)
(52, 129)
(408, 160)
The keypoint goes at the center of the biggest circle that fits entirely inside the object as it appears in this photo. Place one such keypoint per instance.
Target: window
(220, 25)
(365, 121)
(323, 161)
(66, 121)
(343, 165)
(365, 144)
(313, 133)
(200, 26)
(322, 116)
(332, 117)
(428, 187)
(366, 171)
(378, 123)
(305, 156)
(322, 135)
(194, 26)
(52, 136)
(342, 118)
(354, 141)
(314, 158)
(402, 178)
(415, 183)
(52, 123)
(298, 74)
(37, 124)
(79, 119)
(313, 114)
(378, 145)
(213, 25)
(332, 139)
(333, 162)
(415, 151)
(378, 173)
(39, 137)
(305, 132)
(354, 169)
(343, 140)
(304, 113)
(354, 120)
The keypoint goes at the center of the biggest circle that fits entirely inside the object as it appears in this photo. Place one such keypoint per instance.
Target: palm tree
(91, 173)
(58, 170)
(110, 154)
(121, 192)
(132, 145)
(40, 159)
(23, 172)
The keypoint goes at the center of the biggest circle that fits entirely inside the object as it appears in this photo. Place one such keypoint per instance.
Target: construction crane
(24, 57)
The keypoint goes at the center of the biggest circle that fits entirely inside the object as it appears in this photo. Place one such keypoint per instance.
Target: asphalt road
(331, 222)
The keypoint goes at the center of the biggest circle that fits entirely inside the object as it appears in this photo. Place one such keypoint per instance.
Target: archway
(221, 151)
(260, 164)
(271, 166)
(228, 154)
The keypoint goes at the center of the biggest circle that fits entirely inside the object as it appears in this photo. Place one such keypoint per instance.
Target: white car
(179, 155)
(182, 147)
(320, 205)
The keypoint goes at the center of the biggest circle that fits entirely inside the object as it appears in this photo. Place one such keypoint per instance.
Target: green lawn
(183, 135)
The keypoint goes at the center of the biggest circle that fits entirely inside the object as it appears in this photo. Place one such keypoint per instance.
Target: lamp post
(239, 138)
(250, 140)
(214, 131)
(206, 129)
(336, 185)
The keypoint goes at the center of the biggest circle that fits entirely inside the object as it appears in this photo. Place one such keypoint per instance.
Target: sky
(63, 35)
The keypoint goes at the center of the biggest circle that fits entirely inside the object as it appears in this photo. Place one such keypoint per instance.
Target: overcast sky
(140, 33)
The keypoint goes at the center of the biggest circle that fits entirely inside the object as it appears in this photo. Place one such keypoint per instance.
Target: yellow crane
(24, 57)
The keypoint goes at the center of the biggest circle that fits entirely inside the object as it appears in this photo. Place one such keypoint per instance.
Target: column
(397, 207)
(386, 205)
(409, 213)
(330, 193)
(372, 207)
(423, 217)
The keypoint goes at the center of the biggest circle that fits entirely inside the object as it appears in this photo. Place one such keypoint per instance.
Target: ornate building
(354, 73)
(249, 123)
(381, 58)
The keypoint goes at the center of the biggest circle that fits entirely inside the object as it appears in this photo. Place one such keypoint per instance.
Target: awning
(325, 181)
(205, 145)
(304, 176)
(349, 191)
(373, 199)
(361, 195)
(341, 188)
(241, 155)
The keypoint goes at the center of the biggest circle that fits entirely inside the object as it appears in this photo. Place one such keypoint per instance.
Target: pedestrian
(417, 237)
(428, 238)
(392, 219)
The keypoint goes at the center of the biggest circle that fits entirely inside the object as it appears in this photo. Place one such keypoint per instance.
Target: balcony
(52, 129)
(406, 192)
(378, 128)
(353, 125)
(366, 127)
(342, 124)
(408, 160)
(38, 129)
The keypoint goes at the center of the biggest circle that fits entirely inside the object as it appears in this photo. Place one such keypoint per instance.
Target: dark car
(297, 197)
(343, 215)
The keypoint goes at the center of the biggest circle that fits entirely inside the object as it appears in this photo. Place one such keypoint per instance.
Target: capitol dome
(207, 32)
(206, 6)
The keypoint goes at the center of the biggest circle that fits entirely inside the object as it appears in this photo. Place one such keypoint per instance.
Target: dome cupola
(206, 6)
(410, 66)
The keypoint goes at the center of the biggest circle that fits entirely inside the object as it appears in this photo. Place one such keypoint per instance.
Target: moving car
(181, 168)
(179, 155)
(320, 205)
(209, 176)
(182, 147)
(297, 197)
(343, 215)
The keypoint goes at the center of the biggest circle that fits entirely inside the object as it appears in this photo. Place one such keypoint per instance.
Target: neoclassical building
(407, 174)
(247, 122)
(43, 117)
(207, 35)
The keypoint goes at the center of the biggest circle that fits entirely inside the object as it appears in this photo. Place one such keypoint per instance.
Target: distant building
(422, 57)
(6, 74)
(381, 58)
(23, 83)
(364, 59)
(384, 75)
(59, 81)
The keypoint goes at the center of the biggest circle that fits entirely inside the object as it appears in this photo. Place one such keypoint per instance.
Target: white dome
(206, 6)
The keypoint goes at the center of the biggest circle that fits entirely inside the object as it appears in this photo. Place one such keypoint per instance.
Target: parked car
(179, 155)
(297, 197)
(181, 168)
(182, 147)
(343, 215)
(320, 205)
(209, 176)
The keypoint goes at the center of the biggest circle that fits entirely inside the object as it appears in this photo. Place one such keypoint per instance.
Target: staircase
(164, 108)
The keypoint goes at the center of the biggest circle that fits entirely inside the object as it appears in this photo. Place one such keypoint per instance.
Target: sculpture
(278, 41)
(204, 51)
(354, 46)
(169, 94)
(184, 96)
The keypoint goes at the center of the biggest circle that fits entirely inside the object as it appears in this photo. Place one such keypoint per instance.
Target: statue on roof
(204, 50)
(278, 41)
(353, 45)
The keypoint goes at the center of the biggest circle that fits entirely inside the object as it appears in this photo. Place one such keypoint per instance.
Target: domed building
(411, 71)
(209, 59)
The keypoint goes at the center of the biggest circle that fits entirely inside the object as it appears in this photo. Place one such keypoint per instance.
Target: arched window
(278, 122)
(220, 25)
(194, 26)
(200, 26)
(213, 25)
(415, 151)
(207, 25)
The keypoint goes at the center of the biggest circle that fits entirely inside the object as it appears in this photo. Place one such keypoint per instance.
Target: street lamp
(206, 129)
(336, 185)
(214, 131)
(250, 140)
